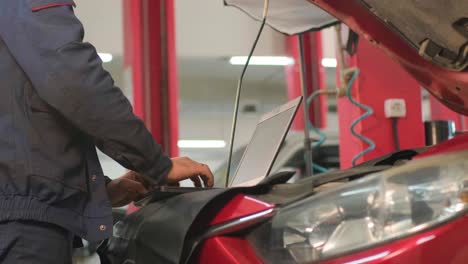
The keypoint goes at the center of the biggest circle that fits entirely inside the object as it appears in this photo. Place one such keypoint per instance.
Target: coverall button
(102, 227)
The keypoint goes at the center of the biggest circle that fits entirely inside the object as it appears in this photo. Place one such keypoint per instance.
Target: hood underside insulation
(438, 29)
(287, 16)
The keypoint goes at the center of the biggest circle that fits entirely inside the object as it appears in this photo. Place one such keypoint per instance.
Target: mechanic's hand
(130, 187)
(185, 168)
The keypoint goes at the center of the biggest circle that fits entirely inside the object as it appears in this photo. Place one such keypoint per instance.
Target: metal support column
(307, 141)
(305, 77)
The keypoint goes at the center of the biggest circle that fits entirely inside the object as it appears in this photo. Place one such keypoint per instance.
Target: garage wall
(207, 35)
(208, 29)
(103, 23)
(206, 113)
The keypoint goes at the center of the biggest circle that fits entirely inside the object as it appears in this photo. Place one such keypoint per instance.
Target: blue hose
(369, 112)
(323, 136)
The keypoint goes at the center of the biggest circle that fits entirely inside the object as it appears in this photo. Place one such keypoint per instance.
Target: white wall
(204, 29)
(103, 23)
(206, 109)
(209, 29)
(329, 43)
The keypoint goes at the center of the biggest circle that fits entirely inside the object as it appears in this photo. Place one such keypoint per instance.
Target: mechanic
(57, 104)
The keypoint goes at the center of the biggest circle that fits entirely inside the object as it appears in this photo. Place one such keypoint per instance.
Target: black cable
(396, 141)
(236, 105)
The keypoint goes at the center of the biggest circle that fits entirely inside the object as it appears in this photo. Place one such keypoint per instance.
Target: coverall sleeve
(68, 74)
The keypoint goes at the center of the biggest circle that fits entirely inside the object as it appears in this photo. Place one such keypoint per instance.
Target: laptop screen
(265, 144)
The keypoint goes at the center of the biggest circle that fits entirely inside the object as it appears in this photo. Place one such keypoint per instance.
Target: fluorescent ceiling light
(262, 60)
(201, 144)
(329, 62)
(106, 57)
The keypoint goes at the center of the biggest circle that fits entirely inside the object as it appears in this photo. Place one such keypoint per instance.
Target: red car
(408, 207)
(412, 213)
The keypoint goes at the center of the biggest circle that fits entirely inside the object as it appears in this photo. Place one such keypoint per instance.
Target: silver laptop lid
(261, 152)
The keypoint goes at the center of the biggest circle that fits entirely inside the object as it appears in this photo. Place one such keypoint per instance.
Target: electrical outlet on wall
(395, 108)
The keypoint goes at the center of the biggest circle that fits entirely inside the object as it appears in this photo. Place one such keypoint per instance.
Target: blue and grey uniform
(57, 104)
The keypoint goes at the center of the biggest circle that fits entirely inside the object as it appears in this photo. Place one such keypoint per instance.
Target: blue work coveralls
(57, 104)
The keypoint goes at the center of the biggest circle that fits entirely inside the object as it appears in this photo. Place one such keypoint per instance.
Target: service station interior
(208, 34)
(181, 69)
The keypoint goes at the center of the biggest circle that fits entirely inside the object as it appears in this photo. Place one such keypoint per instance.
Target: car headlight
(379, 208)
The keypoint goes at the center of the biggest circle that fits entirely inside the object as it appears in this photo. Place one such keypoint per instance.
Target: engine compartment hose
(368, 112)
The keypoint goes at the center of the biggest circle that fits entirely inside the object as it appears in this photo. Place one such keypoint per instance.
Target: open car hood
(429, 38)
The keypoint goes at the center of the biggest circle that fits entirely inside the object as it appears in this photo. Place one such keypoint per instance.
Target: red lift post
(150, 55)
(380, 78)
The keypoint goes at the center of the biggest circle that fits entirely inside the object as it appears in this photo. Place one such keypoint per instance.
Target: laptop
(259, 155)
(264, 146)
